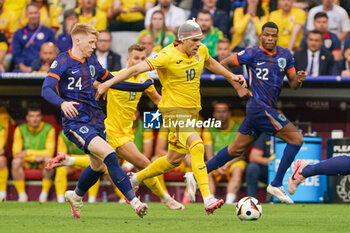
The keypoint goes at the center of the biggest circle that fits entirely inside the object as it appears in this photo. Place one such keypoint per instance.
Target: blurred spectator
(130, 15)
(8, 21)
(33, 146)
(67, 147)
(220, 17)
(68, 4)
(147, 41)
(346, 5)
(345, 63)
(4, 173)
(64, 40)
(48, 15)
(3, 50)
(221, 4)
(338, 18)
(211, 34)
(161, 35)
(16, 6)
(48, 53)
(290, 21)
(315, 59)
(223, 50)
(107, 7)
(330, 40)
(214, 140)
(247, 23)
(90, 14)
(27, 41)
(259, 159)
(174, 16)
(106, 57)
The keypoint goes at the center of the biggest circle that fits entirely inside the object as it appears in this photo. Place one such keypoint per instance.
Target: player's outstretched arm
(155, 97)
(237, 81)
(296, 79)
(130, 72)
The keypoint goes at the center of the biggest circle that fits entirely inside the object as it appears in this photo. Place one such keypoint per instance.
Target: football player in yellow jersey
(179, 66)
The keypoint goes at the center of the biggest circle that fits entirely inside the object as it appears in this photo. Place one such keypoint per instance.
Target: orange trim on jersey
(273, 123)
(58, 91)
(105, 76)
(196, 145)
(235, 59)
(266, 51)
(77, 138)
(149, 64)
(75, 58)
(290, 70)
(54, 76)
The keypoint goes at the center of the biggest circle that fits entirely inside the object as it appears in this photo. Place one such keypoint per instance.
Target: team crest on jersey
(282, 62)
(92, 70)
(197, 57)
(84, 129)
(54, 64)
(3, 22)
(141, 80)
(40, 36)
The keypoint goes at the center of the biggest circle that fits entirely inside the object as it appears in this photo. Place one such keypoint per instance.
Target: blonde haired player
(179, 66)
(121, 108)
(73, 74)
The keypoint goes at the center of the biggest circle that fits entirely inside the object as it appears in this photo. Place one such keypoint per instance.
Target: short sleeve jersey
(179, 75)
(122, 105)
(266, 73)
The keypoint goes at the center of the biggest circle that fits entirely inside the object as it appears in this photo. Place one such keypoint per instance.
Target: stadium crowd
(33, 33)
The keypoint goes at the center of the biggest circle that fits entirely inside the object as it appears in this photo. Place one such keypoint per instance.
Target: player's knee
(99, 168)
(175, 161)
(3, 162)
(17, 163)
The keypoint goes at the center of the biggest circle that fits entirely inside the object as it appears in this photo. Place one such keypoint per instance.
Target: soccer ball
(248, 208)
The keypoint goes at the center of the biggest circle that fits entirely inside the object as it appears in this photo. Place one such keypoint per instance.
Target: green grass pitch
(114, 217)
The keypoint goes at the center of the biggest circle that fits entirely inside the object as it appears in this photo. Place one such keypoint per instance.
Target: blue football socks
(339, 165)
(220, 159)
(87, 179)
(289, 154)
(119, 177)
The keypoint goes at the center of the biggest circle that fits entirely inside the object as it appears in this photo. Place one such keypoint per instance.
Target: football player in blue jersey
(74, 74)
(267, 66)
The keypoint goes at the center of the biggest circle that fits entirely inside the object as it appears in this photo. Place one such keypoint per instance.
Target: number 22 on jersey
(262, 73)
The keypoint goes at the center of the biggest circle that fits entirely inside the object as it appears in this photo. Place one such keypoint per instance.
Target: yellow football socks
(20, 186)
(46, 185)
(159, 166)
(198, 166)
(154, 185)
(61, 180)
(82, 161)
(93, 191)
(4, 173)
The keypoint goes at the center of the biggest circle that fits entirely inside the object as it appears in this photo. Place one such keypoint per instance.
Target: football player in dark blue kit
(267, 66)
(74, 74)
